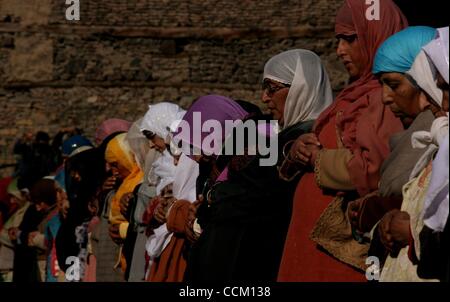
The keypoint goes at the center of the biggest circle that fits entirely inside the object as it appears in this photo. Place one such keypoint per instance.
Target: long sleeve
(331, 169)
(116, 218)
(368, 140)
(178, 215)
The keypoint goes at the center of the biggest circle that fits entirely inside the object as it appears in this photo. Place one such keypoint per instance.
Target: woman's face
(156, 142)
(117, 169)
(350, 53)
(404, 100)
(274, 95)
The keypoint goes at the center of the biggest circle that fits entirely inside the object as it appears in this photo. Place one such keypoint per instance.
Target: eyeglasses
(270, 89)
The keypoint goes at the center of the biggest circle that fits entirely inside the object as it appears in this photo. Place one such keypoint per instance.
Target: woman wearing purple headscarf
(242, 220)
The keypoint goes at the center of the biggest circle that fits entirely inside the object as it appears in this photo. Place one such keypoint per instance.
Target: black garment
(66, 245)
(434, 255)
(81, 191)
(130, 240)
(26, 268)
(248, 220)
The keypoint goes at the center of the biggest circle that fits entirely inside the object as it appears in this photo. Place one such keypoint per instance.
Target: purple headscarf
(213, 108)
(109, 127)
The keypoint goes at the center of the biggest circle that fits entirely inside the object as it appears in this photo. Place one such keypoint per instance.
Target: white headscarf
(138, 144)
(310, 92)
(162, 172)
(437, 50)
(436, 206)
(184, 187)
(425, 75)
(160, 118)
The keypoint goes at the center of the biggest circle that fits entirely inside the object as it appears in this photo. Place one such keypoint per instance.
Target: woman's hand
(114, 233)
(109, 183)
(160, 212)
(384, 230)
(305, 149)
(191, 235)
(400, 229)
(13, 234)
(124, 203)
(395, 230)
(354, 212)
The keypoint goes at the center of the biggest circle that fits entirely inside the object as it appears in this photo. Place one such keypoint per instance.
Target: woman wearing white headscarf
(296, 89)
(170, 264)
(309, 90)
(156, 126)
(436, 201)
(424, 73)
(160, 120)
(434, 248)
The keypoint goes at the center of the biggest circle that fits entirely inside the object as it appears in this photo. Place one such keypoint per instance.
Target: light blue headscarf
(398, 52)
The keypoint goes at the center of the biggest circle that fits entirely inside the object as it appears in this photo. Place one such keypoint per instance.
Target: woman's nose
(265, 97)
(341, 48)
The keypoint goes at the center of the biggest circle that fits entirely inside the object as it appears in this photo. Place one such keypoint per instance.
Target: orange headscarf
(366, 123)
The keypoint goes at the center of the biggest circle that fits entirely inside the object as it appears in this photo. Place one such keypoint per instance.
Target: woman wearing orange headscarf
(343, 155)
(121, 162)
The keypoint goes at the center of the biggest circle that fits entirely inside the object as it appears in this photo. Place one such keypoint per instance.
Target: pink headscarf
(366, 124)
(109, 127)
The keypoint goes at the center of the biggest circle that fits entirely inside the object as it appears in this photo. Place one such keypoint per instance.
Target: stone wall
(123, 55)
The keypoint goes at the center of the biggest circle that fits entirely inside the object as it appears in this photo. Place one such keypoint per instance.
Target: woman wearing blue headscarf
(407, 100)
(393, 59)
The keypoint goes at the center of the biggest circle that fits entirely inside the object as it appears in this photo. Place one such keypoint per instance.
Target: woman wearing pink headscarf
(109, 127)
(344, 154)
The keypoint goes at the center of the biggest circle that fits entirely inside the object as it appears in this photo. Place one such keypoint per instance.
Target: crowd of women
(361, 176)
